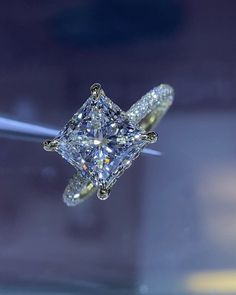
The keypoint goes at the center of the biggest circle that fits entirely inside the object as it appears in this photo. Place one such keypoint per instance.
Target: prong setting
(50, 145)
(101, 141)
(103, 193)
(96, 90)
(150, 137)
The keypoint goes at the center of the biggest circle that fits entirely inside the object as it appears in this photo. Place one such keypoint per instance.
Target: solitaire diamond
(101, 141)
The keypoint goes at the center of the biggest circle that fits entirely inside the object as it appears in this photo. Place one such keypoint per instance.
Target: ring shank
(149, 110)
(77, 190)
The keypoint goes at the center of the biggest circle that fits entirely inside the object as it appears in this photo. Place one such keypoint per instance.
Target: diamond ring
(101, 141)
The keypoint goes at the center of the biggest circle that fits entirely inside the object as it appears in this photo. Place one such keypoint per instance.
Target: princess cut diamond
(100, 141)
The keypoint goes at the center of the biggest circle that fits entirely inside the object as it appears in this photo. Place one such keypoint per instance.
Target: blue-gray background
(169, 219)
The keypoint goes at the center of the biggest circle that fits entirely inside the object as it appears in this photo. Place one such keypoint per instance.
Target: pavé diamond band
(101, 141)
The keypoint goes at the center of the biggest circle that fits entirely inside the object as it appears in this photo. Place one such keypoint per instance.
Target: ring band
(149, 110)
(145, 113)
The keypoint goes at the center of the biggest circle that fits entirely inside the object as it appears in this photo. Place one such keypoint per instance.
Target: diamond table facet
(100, 141)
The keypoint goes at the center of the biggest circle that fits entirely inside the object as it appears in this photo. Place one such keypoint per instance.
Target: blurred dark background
(171, 231)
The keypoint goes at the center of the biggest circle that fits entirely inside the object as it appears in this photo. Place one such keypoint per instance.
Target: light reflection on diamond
(100, 141)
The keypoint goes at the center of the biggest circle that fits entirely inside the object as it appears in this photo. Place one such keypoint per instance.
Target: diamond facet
(100, 141)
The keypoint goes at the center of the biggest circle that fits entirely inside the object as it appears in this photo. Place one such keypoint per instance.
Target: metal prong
(103, 193)
(50, 145)
(96, 90)
(150, 137)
